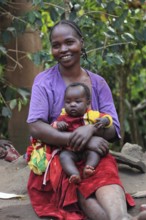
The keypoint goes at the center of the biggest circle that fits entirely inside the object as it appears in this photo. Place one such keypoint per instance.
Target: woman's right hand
(99, 145)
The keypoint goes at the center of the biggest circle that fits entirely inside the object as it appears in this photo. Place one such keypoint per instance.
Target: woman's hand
(99, 145)
(79, 138)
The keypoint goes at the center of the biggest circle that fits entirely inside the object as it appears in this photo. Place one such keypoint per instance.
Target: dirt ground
(14, 178)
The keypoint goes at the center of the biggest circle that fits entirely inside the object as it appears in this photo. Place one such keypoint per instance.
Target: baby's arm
(104, 122)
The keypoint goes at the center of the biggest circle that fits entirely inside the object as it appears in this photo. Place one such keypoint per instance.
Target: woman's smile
(66, 58)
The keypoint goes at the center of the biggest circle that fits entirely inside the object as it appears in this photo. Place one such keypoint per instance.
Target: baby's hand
(62, 126)
(101, 122)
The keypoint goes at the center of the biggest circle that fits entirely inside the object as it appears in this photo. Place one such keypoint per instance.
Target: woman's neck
(71, 72)
(75, 74)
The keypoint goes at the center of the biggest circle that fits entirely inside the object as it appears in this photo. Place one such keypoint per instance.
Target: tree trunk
(20, 72)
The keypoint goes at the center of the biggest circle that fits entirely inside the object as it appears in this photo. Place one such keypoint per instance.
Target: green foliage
(115, 38)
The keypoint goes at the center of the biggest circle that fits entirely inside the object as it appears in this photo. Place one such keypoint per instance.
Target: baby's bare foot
(75, 178)
(88, 171)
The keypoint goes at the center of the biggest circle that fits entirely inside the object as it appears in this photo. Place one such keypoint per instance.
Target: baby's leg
(67, 160)
(92, 159)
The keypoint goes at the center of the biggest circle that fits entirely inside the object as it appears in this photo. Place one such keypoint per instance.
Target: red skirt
(58, 198)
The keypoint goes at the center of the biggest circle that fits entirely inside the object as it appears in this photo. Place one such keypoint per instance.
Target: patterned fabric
(91, 116)
(39, 157)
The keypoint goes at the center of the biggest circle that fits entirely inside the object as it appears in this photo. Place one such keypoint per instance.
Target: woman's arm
(108, 134)
(80, 137)
(48, 134)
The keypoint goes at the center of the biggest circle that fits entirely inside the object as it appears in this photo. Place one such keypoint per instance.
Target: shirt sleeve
(103, 96)
(39, 104)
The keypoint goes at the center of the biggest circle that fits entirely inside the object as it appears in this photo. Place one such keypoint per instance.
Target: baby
(77, 113)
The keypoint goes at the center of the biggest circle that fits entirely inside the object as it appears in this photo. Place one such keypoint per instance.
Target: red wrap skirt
(58, 198)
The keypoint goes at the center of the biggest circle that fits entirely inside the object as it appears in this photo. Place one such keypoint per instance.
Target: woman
(100, 196)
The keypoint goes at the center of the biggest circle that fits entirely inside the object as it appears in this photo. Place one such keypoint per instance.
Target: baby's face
(75, 101)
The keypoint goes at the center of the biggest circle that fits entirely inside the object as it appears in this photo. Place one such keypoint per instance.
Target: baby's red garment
(58, 198)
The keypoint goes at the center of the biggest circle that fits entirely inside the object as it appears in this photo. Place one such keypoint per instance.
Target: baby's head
(77, 99)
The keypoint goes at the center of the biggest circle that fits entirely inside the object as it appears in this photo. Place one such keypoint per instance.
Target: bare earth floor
(14, 178)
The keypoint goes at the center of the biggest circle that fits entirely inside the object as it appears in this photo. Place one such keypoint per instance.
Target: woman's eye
(55, 46)
(70, 42)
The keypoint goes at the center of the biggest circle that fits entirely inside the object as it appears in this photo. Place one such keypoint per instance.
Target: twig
(99, 12)
(5, 102)
(111, 45)
(56, 6)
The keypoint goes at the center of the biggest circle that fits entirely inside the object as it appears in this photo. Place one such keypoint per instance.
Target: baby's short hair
(85, 87)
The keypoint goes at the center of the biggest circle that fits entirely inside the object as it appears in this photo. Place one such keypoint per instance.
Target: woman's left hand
(80, 137)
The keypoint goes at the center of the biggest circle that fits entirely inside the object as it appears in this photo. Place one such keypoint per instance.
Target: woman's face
(66, 45)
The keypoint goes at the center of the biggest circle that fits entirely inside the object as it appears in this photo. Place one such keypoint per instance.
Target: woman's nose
(63, 48)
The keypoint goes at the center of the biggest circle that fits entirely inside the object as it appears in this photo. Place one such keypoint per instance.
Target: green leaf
(114, 59)
(13, 103)
(127, 36)
(144, 34)
(6, 36)
(120, 20)
(139, 36)
(3, 50)
(19, 105)
(12, 30)
(53, 13)
(6, 112)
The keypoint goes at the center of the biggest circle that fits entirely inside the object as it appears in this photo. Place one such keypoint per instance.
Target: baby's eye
(67, 102)
(78, 101)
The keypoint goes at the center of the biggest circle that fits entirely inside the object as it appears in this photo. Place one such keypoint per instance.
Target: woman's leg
(110, 204)
(91, 208)
(112, 199)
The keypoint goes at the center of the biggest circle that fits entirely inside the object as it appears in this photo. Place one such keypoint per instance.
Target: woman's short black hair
(85, 87)
(69, 23)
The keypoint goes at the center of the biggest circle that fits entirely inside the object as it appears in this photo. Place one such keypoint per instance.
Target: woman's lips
(66, 58)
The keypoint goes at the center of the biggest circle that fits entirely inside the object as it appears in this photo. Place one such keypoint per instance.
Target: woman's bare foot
(88, 171)
(75, 178)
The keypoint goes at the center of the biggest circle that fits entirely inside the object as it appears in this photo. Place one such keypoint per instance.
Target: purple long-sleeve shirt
(47, 98)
